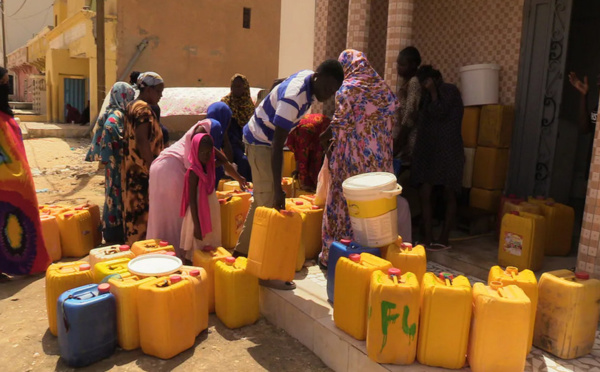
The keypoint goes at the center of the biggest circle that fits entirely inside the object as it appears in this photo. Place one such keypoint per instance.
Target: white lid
(370, 181)
(154, 265)
(484, 66)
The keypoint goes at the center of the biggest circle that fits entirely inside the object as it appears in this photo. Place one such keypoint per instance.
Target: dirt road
(27, 344)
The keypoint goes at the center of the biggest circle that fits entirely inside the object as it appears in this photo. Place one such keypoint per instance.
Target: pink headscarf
(206, 183)
(181, 149)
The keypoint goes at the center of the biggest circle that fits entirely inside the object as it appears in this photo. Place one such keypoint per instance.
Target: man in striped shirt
(266, 133)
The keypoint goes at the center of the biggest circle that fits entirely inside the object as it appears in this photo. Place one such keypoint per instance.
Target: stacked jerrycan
(343, 248)
(393, 319)
(351, 295)
(567, 314)
(522, 239)
(87, 330)
(523, 279)
(61, 277)
(110, 253)
(274, 244)
(407, 258)
(236, 293)
(497, 311)
(151, 246)
(232, 220)
(446, 306)
(107, 268)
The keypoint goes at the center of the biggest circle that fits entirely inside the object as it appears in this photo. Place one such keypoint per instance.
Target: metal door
(539, 92)
(75, 93)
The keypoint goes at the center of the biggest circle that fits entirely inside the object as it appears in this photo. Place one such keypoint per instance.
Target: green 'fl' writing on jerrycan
(388, 339)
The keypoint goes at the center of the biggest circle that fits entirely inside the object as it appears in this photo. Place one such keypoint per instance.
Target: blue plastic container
(343, 249)
(87, 324)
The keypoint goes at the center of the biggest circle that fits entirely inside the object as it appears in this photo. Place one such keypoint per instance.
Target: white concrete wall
(297, 35)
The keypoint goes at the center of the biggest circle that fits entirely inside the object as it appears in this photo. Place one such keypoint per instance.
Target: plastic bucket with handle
(371, 199)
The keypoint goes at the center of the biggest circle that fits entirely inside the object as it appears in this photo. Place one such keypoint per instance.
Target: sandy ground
(27, 344)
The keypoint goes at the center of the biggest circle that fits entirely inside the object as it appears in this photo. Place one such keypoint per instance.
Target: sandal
(278, 284)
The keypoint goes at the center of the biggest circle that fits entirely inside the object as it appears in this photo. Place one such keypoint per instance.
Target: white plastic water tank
(479, 84)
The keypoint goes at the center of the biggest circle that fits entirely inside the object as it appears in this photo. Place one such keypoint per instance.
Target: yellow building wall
(60, 65)
(203, 45)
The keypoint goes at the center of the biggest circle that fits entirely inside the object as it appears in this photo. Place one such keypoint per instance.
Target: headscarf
(120, 95)
(241, 107)
(362, 82)
(220, 115)
(149, 79)
(180, 150)
(206, 184)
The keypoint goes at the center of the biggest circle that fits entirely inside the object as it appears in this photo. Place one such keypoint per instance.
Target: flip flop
(436, 247)
(278, 284)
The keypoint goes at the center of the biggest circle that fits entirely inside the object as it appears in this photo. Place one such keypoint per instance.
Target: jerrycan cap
(407, 246)
(68, 215)
(80, 208)
(222, 201)
(230, 260)
(175, 279)
(346, 241)
(315, 207)
(84, 267)
(511, 269)
(286, 213)
(103, 288)
(355, 257)
(392, 271)
(170, 253)
(124, 248)
(299, 202)
(516, 213)
(194, 272)
(163, 243)
(208, 248)
(582, 275)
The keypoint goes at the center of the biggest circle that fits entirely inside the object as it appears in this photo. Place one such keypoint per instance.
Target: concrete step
(21, 105)
(305, 314)
(44, 130)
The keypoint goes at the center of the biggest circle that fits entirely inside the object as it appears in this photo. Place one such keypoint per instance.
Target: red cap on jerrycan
(84, 267)
(229, 260)
(103, 288)
(582, 275)
(194, 272)
(299, 202)
(175, 279)
(346, 241)
(124, 247)
(354, 257)
(208, 248)
(407, 246)
(392, 271)
(222, 201)
(163, 243)
(444, 276)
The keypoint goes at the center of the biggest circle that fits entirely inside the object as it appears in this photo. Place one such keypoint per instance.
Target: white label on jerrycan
(376, 231)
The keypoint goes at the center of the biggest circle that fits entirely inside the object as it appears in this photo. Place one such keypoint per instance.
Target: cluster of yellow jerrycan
(162, 315)
(442, 321)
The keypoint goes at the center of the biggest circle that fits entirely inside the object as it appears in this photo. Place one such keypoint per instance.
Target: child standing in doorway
(199, 205)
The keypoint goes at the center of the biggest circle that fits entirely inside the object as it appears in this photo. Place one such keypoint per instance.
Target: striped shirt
(283, 107)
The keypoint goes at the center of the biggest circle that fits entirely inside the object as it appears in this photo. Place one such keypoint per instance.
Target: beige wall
(297, 36)
(205, 42)
(59, 66)
(451, 34)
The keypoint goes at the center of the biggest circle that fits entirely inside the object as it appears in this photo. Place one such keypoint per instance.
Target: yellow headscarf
(241, 107)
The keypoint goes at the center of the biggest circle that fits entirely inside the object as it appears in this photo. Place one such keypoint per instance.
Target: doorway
(74, 94)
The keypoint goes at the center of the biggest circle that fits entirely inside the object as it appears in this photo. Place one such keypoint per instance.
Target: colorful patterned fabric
(242, 107)
(149, 79)
(304, 143)
(362, 138)
(135, 172)
(22, 248)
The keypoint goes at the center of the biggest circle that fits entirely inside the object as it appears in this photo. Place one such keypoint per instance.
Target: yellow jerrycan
(407, 258)
(236, 293)
(206, 258)
(393, 317)
(446, 307)
(522, 239)
(351, 292)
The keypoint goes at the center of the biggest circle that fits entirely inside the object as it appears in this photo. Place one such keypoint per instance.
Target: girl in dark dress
(438, 156)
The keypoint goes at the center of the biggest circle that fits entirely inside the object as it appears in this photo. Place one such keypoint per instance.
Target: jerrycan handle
(72, 297)
(107, 278)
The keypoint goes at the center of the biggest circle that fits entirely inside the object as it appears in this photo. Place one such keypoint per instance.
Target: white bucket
(371, 199)
(479, 84)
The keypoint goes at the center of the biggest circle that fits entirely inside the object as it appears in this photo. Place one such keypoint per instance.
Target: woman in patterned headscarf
(360, 138)
(241, 105)
(143, 142)
(107, 147)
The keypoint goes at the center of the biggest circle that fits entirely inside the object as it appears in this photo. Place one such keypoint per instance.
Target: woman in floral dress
(361, 138)
(107, 147)
(143, 140)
